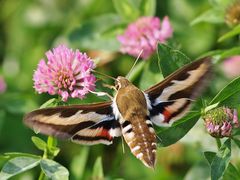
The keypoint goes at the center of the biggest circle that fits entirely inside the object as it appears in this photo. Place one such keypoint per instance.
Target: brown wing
(170, 99)
(87, 124)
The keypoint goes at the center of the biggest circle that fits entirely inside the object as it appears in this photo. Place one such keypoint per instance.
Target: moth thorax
(141, 139)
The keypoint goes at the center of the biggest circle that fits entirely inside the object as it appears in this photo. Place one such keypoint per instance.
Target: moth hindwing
(132, 113)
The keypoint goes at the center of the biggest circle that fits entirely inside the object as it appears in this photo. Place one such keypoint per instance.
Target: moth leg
(160, 140)
(110, 86)
(102, 94)
(123, 147)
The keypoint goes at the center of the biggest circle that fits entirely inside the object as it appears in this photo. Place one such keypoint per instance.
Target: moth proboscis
(130, 114)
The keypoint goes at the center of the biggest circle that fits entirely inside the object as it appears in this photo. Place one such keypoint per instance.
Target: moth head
(121, 82)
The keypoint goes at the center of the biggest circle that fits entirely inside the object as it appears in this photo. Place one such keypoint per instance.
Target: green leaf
(77, 170)
(209, 156)
(17, 154)
(114, 30)
(212, 16)
(170, 59)
(208, 108)
(137, 70)
(231, 173)
(50, 103)
(126, 10)
(236, 132)
(3, 157)
(150, 74)
(15, 103)
(53, 151)
(39, 143)
(54, 170)
(220, 3)
(229, 52)
(237, 142)
(235, 31)
(98, 169)
(17, 165)
(221, 160)
(229, 90)
(178, 130)
(51, 141)
(2, 117)
(219, 55)
(89, 34)
(211, 53)
(148, 7)
(51, 147)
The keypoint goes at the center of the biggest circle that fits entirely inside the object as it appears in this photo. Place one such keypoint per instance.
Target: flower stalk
(219, 144)
(49, 153)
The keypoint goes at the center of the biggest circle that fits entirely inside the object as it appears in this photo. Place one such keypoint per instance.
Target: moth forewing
(94, 123)
(181, 74)
(172, 98)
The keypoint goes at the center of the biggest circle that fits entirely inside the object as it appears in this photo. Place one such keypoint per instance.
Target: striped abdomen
(140, 137)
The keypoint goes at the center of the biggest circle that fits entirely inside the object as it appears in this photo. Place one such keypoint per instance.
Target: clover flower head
(221, 121)
(231, 66)
(66, 73)
(144, 34)
(3, 85)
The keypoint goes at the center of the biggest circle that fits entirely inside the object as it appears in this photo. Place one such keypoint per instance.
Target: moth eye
(116, 85)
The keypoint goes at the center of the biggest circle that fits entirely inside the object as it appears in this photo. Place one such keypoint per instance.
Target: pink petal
(166, 29)
(144, 34)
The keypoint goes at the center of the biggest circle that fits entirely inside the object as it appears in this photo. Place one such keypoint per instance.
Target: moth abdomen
(140, 137)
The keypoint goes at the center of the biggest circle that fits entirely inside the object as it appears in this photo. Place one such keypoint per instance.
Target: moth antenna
(104, 75)
(129, 73)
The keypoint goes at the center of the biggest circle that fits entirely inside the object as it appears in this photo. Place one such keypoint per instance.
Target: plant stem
(219, 144)
(51, 142)
(41, 176)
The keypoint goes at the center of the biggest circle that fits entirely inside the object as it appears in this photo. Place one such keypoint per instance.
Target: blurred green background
(29, 28)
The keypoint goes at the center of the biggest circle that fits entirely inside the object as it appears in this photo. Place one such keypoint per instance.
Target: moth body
(136, 127)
